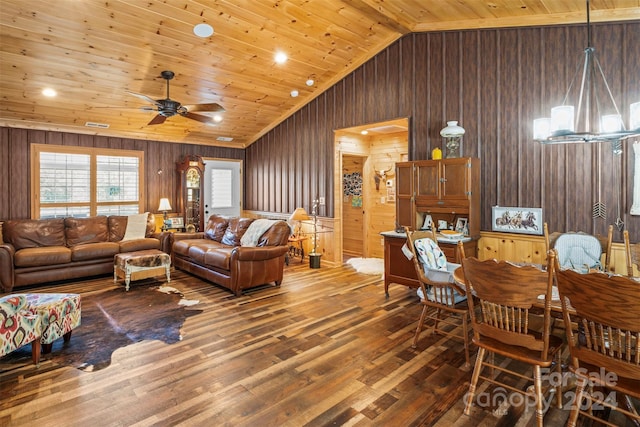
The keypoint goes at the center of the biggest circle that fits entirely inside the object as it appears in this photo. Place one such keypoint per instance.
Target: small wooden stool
(141, 265)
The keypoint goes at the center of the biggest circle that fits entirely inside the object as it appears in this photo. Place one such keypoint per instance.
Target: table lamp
(164, 207)
(299, 215)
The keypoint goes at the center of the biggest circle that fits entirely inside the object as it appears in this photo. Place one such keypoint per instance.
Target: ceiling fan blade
(158, 119)
(145, 98)
(198, 117)
(212, 107)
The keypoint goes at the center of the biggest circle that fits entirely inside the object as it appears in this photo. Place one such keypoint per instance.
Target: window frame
(93, 152)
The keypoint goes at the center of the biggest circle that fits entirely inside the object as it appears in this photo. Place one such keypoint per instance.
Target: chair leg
(575, 408)
(537, 383)
(474, 381)
(420, 326)
(435, 321)
(465, 331)
(67, 337)
(559, 390)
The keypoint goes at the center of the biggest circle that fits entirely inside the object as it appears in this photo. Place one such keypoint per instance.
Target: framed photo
(176, 222)
(462, 226)
(391, 195)
(516, 220)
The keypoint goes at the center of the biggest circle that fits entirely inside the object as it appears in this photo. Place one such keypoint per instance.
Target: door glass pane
(221, 188)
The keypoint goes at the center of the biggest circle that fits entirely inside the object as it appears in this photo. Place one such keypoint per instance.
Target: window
(83, 182)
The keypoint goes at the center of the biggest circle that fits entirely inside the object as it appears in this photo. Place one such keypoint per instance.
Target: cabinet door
(404, 195)
(427, 176)
(454, 179)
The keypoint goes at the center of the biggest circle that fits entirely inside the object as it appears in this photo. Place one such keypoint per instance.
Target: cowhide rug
(113, 319)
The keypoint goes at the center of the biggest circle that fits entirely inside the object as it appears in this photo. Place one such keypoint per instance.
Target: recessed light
(281, 57)
(310, 82)
(294, 93)
(224, 138)
(364, 132)
(203, 30)
(217, 118)
(49, 92)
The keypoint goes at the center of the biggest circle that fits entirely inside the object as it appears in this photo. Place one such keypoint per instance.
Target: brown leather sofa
(34, 251)
(218, 254)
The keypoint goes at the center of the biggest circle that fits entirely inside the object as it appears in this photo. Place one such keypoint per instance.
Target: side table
(296, 246)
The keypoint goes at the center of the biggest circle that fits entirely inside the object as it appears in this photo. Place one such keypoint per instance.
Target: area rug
(367, 265)
(114, 319)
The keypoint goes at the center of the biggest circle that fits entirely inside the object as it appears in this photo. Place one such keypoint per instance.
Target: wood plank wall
(160, 164)
(494, 82)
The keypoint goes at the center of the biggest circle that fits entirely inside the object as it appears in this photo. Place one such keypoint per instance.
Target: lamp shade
(164, 205)
(299, 215)
(452, 130)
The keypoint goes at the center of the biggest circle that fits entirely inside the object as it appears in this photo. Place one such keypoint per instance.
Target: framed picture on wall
(391, 195)
(516, 220)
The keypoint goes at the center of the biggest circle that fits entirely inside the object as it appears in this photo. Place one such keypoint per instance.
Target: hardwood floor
(326, 348)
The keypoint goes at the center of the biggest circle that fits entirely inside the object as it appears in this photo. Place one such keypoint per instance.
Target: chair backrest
(605, 312)
(580, 251)
(438, 286)
(632, 252)
(506, 293)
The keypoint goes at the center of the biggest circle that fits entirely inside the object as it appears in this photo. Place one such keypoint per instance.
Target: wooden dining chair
(507, 296)
(606, 243)
(632, 252)
(443, 301)
(604, 340)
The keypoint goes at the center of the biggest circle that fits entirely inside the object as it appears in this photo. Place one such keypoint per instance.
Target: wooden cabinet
(446, 189)
(190, 191)
(398, 269)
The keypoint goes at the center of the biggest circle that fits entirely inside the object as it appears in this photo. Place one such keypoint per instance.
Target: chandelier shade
(588, 112)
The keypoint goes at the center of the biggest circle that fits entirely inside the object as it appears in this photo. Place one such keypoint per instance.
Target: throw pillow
(136, 227)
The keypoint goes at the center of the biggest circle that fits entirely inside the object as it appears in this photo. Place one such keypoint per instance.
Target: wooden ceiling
(93, 51)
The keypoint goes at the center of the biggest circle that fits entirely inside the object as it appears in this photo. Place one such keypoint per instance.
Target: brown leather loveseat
(34, 251)
(236, 253)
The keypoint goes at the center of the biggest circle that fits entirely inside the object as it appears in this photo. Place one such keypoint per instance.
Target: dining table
(555, 305)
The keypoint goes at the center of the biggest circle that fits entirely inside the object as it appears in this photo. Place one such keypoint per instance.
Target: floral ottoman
(59, 314)
(19, 326)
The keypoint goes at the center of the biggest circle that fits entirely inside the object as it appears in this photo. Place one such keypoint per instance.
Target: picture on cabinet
(462, 226)
(517, 220)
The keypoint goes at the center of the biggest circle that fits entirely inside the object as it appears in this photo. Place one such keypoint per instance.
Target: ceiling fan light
(203, 30)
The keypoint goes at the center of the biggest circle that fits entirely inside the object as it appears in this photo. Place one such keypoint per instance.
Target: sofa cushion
(91, 251)
(235, 230)
(46, 255)
(196, 253)
(216, 227)
(80, 231)
(32, 233)
(139, 244)
(218, 258)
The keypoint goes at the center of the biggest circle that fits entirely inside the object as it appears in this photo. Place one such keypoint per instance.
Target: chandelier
(596, 118)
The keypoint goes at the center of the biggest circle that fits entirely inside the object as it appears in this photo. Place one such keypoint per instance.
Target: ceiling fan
(168, 107)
